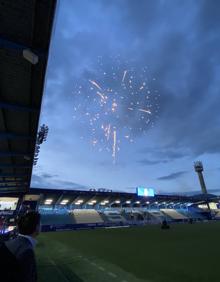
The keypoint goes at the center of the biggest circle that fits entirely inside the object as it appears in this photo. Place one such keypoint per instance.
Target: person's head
(29, 224)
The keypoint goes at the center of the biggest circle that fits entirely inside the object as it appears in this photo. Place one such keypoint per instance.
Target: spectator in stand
(22, 247)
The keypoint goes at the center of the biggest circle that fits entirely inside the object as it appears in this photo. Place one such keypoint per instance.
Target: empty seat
(217, 215)
(157, 215)
(114, 216)
(87, 216)
(173, 214)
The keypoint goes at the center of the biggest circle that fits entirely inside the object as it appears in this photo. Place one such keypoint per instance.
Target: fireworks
(125, 72)
(145, 111)
(115, 104)
(95, 84)
(114, 144)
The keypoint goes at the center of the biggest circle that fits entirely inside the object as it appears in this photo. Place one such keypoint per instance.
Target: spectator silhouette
(22, 247)
(165, 225)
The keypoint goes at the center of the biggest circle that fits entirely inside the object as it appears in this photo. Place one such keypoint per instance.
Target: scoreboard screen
(147, 192)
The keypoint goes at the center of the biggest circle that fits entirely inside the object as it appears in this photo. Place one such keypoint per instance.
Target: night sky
(132, 96)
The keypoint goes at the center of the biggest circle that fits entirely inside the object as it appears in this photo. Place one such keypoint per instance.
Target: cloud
(48, 181)
(151, 162)
(47, 175)
(155, 156)
(71, 185)
(172, 176)
(183, 55)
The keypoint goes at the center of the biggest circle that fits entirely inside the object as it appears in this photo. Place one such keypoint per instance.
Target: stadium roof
(25, 31)
(57, 196)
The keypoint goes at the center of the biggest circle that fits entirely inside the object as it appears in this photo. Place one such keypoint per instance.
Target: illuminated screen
(7, 203)
(147, 192)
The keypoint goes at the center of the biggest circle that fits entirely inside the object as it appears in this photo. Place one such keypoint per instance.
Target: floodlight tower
(199, 169)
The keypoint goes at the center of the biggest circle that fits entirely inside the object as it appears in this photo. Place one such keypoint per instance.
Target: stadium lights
(137, 202)
(41, 137)
(106, 201)
(156, 203)
(90, 203)
(30, 56)
(128, 202)
(117, 202)
(48, 201)
(93, 201)
(64, 202)
(78, 202)
(147, 202)
(102, 203)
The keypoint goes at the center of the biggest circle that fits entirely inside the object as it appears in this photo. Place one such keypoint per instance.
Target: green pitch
(184, 253)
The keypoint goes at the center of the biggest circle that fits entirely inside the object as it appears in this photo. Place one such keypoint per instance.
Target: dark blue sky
(170, 46)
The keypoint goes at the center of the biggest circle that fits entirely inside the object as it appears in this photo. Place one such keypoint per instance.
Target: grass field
(183, 253)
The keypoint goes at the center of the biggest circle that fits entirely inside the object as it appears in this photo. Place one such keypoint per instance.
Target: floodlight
(30, 56)
(128, 202)
(64, 202)
(49, 200)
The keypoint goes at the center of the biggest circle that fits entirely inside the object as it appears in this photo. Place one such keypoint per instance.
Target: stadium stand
(157, 215)
(134, 215)
(69, 210)
(194, 213)
(114, 216)
(217, 214)
(87, 216)
(174, 214)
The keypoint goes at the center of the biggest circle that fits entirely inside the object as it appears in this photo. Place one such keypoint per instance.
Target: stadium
(90, 233)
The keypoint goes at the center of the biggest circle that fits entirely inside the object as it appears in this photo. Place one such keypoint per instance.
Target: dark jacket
(22, 249)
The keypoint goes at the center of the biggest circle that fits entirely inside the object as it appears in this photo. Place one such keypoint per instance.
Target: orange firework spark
(145, 111)
(100, 94)
(124, 75)
(114, 106)
(108, 131)
(114, 144)
(95, 84)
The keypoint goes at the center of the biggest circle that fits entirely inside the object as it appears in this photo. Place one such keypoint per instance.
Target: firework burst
(115, 104)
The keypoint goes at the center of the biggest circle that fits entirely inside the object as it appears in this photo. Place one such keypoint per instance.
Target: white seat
(173, 214)
(87, 216)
